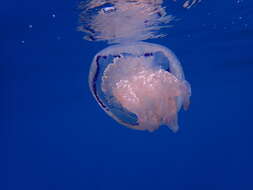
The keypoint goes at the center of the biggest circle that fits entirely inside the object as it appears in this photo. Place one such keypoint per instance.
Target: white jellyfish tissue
(141, 85)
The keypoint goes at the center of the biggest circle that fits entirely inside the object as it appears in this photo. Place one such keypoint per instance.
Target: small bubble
(22, 42)
(53, 15)
(30, 26)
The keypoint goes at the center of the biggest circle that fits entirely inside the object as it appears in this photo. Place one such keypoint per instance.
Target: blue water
(53, 135)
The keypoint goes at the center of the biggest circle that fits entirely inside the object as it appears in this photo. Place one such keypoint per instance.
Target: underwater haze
(54, 135)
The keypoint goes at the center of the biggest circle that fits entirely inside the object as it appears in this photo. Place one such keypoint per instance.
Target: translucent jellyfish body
(141, 85)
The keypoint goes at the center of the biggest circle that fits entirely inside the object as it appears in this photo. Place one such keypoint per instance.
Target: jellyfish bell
(141, 85)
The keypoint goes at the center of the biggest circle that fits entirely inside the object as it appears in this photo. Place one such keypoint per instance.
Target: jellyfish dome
(141, 85)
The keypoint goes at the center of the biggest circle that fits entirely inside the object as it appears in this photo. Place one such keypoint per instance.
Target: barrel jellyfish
(141, 85)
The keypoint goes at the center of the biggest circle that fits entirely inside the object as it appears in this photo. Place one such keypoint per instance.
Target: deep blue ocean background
(53, 135)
